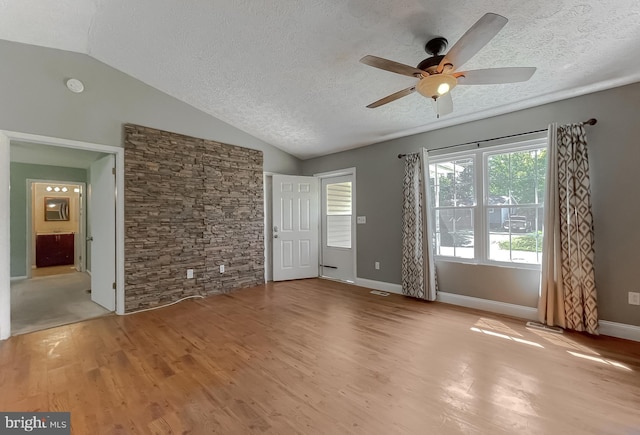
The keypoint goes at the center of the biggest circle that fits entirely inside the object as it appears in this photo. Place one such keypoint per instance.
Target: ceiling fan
(439, 73)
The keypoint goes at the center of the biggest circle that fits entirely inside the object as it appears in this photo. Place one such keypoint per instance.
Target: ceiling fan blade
(443, 105)
(392, 97)
(492, 76)
(473, 40)
(389, 65)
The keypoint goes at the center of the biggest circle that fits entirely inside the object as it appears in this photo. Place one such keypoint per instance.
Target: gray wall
(35, 100)
(20, 172)
(614, 147)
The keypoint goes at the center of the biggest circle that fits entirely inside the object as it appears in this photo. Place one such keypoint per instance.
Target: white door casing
(102, 240)
(5, 275)
(80, 244)
(268, 227)
(337, 256)
(295, 227)
(5, 254)
(80, 254)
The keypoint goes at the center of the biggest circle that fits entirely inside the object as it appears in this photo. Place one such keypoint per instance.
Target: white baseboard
(463, 301)
(619, 330)
(17, 278)
(379, 285)
(488, 305)
(612, 329)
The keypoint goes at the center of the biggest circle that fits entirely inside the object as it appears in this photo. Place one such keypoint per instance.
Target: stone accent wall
(189, 204)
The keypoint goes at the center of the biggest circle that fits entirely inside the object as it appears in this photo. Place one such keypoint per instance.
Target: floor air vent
(542, 327)
(379, 293)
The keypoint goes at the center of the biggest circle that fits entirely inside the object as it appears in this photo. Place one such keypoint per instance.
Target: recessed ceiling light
(57, 189)
(64, 189)
(75, 85)
(76, 190)
(49, 188)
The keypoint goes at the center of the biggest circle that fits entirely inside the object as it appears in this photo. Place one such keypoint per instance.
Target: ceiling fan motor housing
(430, 64)
(433, 47)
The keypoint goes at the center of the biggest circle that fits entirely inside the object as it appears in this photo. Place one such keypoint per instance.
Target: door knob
(275, 229)
(275, 236)
(90, 239)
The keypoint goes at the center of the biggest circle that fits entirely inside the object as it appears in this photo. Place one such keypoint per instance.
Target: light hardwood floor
(316, 356)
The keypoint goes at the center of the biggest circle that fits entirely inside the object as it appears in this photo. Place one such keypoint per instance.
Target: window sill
(522, 266)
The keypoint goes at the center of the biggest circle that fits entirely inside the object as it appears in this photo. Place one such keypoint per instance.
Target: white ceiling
(287, 71)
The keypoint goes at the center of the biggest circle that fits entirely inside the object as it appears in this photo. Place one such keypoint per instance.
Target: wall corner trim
(619, 330)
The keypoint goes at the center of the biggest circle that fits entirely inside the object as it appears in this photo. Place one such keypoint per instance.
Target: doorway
(338, 226)
(59, 152)
(295, 227)
(339, 250)
(56, 227)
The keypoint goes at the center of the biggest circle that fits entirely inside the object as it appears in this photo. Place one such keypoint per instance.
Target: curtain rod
(591, 121)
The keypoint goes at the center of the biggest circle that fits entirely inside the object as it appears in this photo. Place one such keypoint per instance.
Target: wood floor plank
(316, 356)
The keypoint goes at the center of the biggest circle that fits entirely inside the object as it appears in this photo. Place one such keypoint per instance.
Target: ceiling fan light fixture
(436, 85)
(443, 88)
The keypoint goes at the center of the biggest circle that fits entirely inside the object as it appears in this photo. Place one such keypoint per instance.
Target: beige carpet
(41, 303)
(52, 270)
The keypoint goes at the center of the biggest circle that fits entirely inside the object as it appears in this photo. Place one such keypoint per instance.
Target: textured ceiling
(287, 71)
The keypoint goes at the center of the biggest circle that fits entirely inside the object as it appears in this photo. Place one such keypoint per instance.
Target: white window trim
(481, 154)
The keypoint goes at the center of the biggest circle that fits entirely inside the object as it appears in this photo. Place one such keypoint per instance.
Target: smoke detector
(75, 85)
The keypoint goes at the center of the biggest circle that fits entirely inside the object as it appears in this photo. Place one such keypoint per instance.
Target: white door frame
(102, 210)
(82, 223)
(297, 269)
(5, 255)
(339, 173)
(268, 226)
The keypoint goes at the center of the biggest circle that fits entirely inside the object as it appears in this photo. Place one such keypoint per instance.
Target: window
(494, 213)
(453, 199)
(339, 215)
(514, 213)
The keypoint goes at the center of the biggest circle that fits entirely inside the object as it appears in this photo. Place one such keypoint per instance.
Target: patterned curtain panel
(568, 291)
(418, 270)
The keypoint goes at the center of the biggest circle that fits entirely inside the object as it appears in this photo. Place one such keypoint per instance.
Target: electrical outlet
(222, 268)
(361, 220)
(634, 298)
(377, 265)
(189, 273)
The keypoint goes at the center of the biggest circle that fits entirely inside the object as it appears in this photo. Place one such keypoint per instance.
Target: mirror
(56, 209)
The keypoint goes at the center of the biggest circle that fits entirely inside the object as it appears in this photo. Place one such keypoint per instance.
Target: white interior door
(79, 240)
(102, 240)
(295, 227)
(338, 228)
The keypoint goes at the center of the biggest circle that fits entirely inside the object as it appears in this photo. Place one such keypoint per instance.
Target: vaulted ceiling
(287, 71)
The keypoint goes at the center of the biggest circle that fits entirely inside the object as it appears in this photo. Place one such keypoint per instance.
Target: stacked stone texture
(189, 204)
